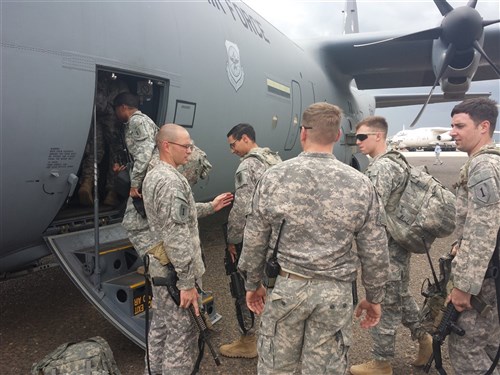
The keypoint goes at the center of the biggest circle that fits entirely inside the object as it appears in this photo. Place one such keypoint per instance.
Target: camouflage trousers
(247, 320)
(172, 337)
(473, 353)
(108, 133)
(398, 306)
(308, 321)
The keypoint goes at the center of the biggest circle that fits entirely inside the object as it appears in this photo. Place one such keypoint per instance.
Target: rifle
(435, 293)
(237, 285)
(171, 283)
(446, 326)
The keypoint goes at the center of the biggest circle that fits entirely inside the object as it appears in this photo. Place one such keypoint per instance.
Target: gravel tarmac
(43, 310)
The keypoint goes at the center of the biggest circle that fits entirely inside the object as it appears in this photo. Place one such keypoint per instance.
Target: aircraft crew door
(296, 115)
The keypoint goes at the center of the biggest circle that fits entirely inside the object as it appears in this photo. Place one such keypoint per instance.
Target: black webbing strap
(147, 293)
(496, 263)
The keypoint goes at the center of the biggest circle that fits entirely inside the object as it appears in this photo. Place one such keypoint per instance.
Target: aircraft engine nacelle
(445, 137)
(457, 77)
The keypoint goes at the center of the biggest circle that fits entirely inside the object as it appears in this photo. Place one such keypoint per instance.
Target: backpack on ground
(88, 357)
(425, 211)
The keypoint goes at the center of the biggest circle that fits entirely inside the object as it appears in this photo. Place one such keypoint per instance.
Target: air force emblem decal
(234, 69)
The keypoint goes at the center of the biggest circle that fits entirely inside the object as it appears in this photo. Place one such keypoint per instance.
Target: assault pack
(425, 211)
(265, 155)
(88, 357)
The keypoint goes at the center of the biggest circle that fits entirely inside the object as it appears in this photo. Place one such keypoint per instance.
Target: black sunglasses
(362, 136)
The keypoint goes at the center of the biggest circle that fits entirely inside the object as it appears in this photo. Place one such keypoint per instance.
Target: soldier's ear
(485, 126)
(339, 134)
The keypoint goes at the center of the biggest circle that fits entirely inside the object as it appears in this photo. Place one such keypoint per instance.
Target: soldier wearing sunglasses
(389, 178)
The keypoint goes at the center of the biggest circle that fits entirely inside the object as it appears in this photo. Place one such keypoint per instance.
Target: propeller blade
(443, 7)
(491, 22)
(479, 49)
(472, 4)
(450, 52)
(429, 34)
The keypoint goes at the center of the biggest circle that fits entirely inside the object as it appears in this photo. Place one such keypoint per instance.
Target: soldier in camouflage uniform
(327, 205)
(144, 240)
(140, 132)
(254, 162)
(399, 306)
(478, 222)
(109, 133)
(172, 217)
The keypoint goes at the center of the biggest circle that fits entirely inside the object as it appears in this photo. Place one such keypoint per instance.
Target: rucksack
(425, 210)
(88, 357)
(196, 167)
(265, 156)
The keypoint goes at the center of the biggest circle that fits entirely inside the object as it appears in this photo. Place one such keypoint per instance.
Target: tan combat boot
(424, 350)
(85, 192)
(373, 367)
(244, 347)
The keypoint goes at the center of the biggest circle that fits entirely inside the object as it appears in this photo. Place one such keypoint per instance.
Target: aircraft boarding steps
(118, 291)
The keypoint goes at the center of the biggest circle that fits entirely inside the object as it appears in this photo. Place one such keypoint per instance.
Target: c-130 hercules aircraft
(205, 65)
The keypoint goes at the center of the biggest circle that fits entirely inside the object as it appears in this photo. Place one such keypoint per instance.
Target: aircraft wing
(391, 100)
(394, 64)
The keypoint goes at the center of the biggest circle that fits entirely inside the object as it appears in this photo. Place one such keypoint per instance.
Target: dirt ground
(43, 310)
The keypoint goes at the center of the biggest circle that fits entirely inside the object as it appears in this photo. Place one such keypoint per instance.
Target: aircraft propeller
(461, 30)
(460, 33)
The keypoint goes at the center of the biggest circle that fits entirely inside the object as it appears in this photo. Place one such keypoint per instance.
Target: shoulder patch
(483, 187)
(241, 177)
(180, 208)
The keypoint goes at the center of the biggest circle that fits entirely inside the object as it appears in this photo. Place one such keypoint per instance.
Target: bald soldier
(325, 206)
(172, 218)
(144, 243)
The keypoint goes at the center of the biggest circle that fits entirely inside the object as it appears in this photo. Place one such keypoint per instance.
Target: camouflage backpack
(425, 210)
(89, 357)
(265, 155)
(197, 166)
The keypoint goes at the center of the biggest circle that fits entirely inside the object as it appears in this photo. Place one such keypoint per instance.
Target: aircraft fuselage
(213, 64)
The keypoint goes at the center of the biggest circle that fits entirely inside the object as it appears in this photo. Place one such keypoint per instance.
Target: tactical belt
(294, 276)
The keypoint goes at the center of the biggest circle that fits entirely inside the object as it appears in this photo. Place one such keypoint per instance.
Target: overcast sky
(309, 19)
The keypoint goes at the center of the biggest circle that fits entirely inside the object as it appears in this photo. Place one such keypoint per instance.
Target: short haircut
(169, 133)
(375, 123)
(479, 110)
(242, 129)
(324, 120)
(126, 98)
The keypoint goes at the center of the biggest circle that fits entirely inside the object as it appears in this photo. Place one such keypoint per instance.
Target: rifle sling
(147, 293)
(496, 263)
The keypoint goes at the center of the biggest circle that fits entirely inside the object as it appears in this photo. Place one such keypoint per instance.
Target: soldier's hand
(231, 247)
(134, 193)
(454, 248)
(117, 168)
(190, 297)
(370, 312)
(460, 299)
(221, 201)
(256, 300)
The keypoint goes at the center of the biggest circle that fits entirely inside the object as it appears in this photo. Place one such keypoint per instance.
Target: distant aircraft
(422, 138)
(204, 65)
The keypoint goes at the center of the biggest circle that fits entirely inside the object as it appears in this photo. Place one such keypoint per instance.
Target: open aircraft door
(296, 116)
(110, 284)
